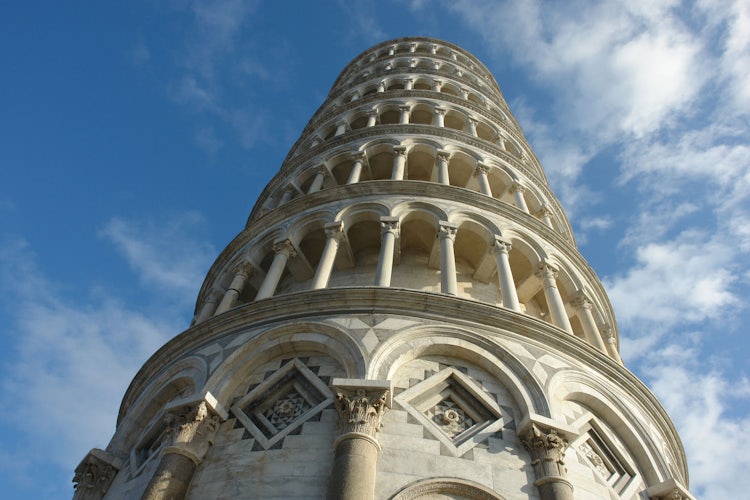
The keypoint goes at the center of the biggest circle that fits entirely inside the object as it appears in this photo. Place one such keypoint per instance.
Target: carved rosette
(192, 431)
(361, 412)
(547, 451)
(94, 475)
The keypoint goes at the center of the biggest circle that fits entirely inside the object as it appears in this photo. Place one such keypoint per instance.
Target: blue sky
(135, 137)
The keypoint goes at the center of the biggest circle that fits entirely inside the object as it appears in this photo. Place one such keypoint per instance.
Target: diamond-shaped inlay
(285, 400)
(454, 409)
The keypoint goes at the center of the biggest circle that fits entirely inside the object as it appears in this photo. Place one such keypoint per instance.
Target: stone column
(286, 196)
(584, 307)
(404, 116)
(413, 47)
(505, 275)
(381, 86)
(484, 183)
(334, 234)
(548, 274)
(471, 126)
(356, 172)
(391, 50)
(447, 235)
(408, 84)
(440, 116)
(442, 165)
(612, 345)
(340, 128)
(501, 143)
(317, 183)
(399, 163)
(389, 228)
(241, 273)
(433, 48)
(94, 475)
(517, 189)
(372, 118)
(192, 431)
(284, 250)
(464, 92)
(545, 214)
(209, 307)
(360, 405)
(437, 85)
(547, 451)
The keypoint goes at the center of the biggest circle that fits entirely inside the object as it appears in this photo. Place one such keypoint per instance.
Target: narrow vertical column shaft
(405, 113)
(286, 196)
(484, 183)
(471, 126)
(517, 189)
(334, 233)
(447, 234)
(440, 116)
(612, 344)
(584, 307)
(408, 83)
(235, 288)
(372, 118)
(360, 405)
(317, 183)
(399, 163)
(284, 250)
(356, 172)
(505, 275)
(437, 85)
(548, 274)
(442, 166)
(192, 432)
(546, 215)
(340, 128)
(389, 231)
(209, 307)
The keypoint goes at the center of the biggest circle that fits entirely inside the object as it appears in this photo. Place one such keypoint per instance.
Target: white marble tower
(405, 315)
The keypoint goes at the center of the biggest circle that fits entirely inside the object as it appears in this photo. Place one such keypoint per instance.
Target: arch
(447, 487)
(419, 341)
(421, 114)
(290, 339)
(421, 162)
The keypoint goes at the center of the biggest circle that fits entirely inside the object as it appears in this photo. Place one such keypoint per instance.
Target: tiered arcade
(405, 315)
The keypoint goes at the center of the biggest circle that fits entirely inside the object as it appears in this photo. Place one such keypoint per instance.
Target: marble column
(484, 183)
(286, 196)
(372, 118)
(399, 163)
(381, 86)
(340, 128)
(405, 113)
(547, 450)
(447, 235)
(517, 189)
(192, 431)
(548, 274)
(241, 273)
(408, 84)
(361, 405)
(389, 231)
(505, 275)
(440, 116)
(584, 308)
(356, 172)
(334, 234)
(317, 183)
(471, 126)
(437, 85)
(611, 344)
(442, 166)
(95, 474)
(545, 214)
(209, 306)
(284, 250)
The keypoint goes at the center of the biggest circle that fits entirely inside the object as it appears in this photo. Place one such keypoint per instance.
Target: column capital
(440, 110)
(244, 268)
(334, 229)
(582, 301)
(437, 82)
(404, 107)
(502, 245)
(285, 247)
(433, 48)
(413, 47)
(443, 154)
(547, 270)
(399, 150)
(95, 473)
(360, 405)
(321, 169)
(192, 428)
(389, 225)
(544, 210)
(447, 230)
(372, 112)
(436, 64)
(359, 156)
(412, 63)
(481, 168)
(670, 489)
(473, 120)
(517, 186)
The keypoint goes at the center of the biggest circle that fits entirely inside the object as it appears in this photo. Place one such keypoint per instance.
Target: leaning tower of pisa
(404, 315)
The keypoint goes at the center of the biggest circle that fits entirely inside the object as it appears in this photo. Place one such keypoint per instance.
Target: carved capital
(399, 150)
(94, 474)
(361, 409)
(359, 156)
(192, 429)
(547, 272)
(517, 186)
(544, 211)
(244, 269)
(285, 247)
(582, 302)
(547, 450)
(443, 155)
(334, 230)
(389, 225)
(439, 110)
(447, 230)
(482, 169)
(502, 245)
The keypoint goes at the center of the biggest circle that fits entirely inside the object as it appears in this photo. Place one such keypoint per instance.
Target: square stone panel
(282, 403)
(454, 409)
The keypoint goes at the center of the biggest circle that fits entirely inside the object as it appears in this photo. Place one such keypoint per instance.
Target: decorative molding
(94, 474)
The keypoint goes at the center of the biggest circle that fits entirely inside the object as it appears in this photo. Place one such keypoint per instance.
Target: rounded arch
(446, 487)
(290, 339)
(420, 341)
